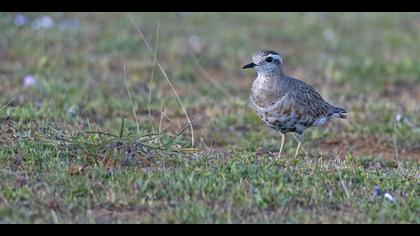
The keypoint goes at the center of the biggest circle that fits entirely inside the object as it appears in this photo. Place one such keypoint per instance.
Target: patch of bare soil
(367, 146)
(118, 212)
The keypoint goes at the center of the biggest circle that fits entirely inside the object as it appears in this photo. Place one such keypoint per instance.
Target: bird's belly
(282, 122)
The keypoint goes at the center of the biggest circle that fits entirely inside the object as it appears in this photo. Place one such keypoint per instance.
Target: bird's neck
(277, 73)
(266, 90)
(270, 77)
(266, 81)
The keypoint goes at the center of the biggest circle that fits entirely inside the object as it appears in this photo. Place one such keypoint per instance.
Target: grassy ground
(72, 151)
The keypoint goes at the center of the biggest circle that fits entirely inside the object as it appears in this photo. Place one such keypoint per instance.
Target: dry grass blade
(209, 77)
(122, 128)
(7, 103)
(131, 100)
(166, 77)
(177, 135)
(153, 70)
(394, 139)
(344, 187)
(160, 122)
(336, 158)
(102, 133)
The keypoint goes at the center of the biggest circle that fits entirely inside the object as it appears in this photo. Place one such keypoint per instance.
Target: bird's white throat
(264, 81)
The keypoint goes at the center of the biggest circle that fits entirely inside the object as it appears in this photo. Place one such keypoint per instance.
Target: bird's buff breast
(275, 108)
(269, 106)
(271, 114)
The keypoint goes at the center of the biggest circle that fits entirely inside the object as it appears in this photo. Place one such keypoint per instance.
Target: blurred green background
(62, 75)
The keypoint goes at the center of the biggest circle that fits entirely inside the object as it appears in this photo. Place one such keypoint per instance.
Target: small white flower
(29, 81)
(20, 20)
(72, 112)
(398, 117)
(389, 197)
(195, 43)
(69, 24)
(43, 22)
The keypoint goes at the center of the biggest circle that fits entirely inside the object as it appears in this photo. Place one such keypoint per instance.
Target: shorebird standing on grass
(284, 103)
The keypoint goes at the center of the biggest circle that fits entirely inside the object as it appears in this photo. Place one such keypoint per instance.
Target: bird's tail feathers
(339, 112)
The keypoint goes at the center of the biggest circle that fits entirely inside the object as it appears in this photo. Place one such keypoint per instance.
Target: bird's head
(266, 62)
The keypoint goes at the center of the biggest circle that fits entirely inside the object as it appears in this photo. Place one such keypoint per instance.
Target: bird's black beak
(250, 65)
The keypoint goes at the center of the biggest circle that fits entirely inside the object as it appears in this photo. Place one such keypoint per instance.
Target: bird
(287, 104)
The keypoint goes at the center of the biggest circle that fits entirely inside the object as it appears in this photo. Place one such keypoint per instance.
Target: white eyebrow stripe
(274, 56)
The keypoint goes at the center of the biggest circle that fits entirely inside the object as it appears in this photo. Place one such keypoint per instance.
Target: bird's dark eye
(269, 59)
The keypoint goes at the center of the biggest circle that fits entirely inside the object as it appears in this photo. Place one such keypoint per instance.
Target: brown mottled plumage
(284, 103)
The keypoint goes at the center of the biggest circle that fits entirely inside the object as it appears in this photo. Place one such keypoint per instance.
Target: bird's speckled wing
(307, 100)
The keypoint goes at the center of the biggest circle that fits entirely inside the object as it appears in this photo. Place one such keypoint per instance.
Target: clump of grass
(166, 77)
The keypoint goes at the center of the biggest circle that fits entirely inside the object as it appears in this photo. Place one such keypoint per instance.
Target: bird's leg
(299, 139)
(283, 138)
